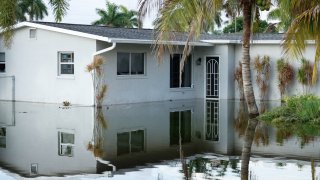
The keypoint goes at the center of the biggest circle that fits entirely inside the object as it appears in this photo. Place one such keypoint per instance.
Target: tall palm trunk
(248, 89)
(246, 150)
(246, 72)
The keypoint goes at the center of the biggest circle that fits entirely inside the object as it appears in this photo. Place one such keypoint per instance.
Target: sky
(84, 11)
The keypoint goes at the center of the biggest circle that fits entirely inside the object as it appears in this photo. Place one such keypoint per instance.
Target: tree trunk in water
(246, 150)
(248, 89)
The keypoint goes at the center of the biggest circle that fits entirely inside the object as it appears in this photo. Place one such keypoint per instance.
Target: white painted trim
(61, 30)
(205, 77)
(252, 41)
(143, 41)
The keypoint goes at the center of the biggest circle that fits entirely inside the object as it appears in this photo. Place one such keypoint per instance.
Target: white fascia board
(218, 41)
(61, 30)
(141, 41)
(222, 41)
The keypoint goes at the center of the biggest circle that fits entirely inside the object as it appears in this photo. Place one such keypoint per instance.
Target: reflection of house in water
(45, 139)
(48, 140)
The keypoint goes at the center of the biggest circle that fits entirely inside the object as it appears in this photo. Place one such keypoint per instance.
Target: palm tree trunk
(248, 89)
(246, 71)
(246, 150)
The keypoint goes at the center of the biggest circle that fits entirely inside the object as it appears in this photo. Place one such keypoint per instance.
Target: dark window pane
(123, 63)
(123, 143)
(66, 150)
(180, 122)
(66, 57)
(2, 68)
(137, 63)
(67, 138)
(67, 69)
(186, 126)
(3, 137)
(186, 74)
(2, 57)
(174, 70)
(137, 141)
(174, 128)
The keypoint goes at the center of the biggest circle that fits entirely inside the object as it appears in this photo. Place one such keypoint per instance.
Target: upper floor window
(66, 63)
(2, 62)
(130, 63)
(175, 71)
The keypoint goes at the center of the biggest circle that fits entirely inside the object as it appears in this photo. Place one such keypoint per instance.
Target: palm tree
(35, 9)
(179, 14)
(132, 19)
(10, 14)
(283, 14)
(305, 26)
(117, 16)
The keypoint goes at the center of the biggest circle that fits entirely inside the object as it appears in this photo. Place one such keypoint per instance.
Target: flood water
(193, 139)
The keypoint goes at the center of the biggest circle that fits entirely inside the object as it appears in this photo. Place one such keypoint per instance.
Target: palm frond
(60, 8)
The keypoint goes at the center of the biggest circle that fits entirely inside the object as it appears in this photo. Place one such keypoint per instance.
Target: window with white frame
(2, 62)
(175, 71)
(130, 63)
(66, 143)
(66, 63)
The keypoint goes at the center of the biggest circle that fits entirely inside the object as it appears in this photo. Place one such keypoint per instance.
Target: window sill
(181, 89)
(3, 74)
(142, 76)
(71, 77)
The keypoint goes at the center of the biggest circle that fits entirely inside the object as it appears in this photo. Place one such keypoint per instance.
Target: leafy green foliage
(60, 8)
(117, 16)
(235, 26)
(7, 19)
(300, 115)
(35, 9)
(304, 74)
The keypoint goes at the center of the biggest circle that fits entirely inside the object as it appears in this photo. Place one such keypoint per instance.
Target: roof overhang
(218, 41)
(141, 41)
(102, 38)
(61, 30)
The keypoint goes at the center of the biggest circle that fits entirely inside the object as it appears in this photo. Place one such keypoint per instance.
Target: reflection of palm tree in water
(246, 149)
(96, 143)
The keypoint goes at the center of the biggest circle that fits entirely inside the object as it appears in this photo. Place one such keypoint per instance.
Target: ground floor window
(175, 71)
(2, 63)
(180, 126)
(3, 132)
(130, 63)
(66, 144)
(66, 63)
(130, 142)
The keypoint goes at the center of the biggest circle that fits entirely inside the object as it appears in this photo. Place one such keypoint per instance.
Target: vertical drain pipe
(95, 54)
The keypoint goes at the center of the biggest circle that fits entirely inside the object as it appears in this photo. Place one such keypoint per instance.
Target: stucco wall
(275, 51)
(155, 84)
(33, 138)
(34, 63)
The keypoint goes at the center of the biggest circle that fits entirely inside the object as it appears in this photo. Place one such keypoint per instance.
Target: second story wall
(40, 75)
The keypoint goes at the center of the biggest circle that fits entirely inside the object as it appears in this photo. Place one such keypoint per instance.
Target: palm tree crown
(35, 9)
(117, 16)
